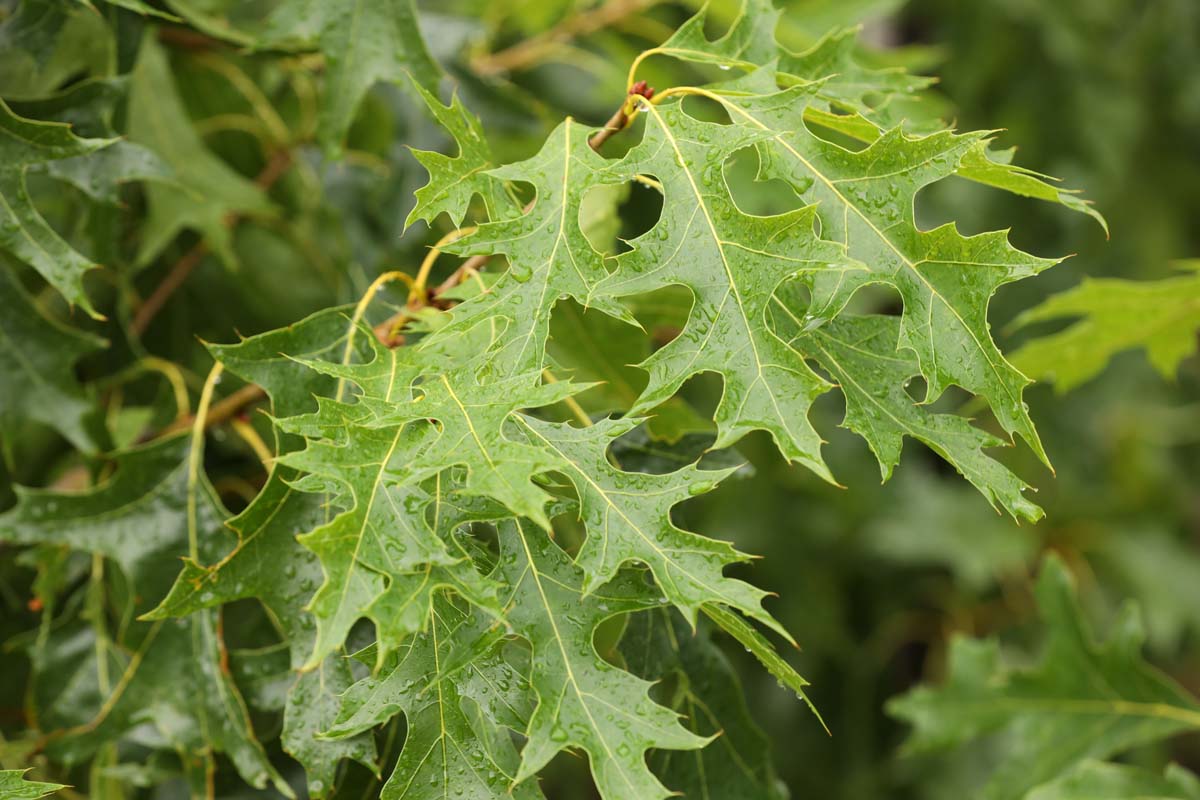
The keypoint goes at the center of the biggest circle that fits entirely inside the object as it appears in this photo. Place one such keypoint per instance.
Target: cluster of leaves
(459, 529)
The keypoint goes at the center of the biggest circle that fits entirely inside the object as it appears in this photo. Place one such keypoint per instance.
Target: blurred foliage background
(874, 579)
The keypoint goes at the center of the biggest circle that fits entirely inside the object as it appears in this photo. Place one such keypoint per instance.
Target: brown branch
(222, 410)
(530, 50)
(178, 275)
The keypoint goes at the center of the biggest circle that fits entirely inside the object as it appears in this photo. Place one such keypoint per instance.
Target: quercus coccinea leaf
(628, 518)
(582, 700)
(459, 697)
(549, 256)
(208, 189)
(154, 509)
(425, 505)
(14, 786)
(1081, 700)
(37, 356)
(865, 200)
(454, 181)
(733, 263)
(24, 233)
(1161, 317)
(862, 355)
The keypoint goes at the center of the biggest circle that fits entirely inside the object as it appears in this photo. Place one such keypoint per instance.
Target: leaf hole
(753, 189)
(706, 110)
(601, 219)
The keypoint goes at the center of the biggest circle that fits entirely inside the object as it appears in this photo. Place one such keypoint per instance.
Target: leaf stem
(570, 402)
(418, 293)
(196, 456)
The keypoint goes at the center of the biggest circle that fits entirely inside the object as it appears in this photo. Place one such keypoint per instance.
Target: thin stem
(360, 310)
(418, 289)
(570, 402)
(241, 82)
(222, 410)
(250, 436)
(196, 456)
(530, 51)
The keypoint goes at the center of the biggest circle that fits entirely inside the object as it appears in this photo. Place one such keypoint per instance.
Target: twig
(148, 310)
(223, 410)
(530, 50)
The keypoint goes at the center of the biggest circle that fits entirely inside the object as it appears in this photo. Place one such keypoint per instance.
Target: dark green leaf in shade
(154, 509)
(703, 686)
(209, 191)
(1082, 700)
(363, 41)
(26, 143)
(37, 378)
(1097, 780)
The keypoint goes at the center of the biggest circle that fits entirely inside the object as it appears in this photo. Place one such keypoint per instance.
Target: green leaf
(100, 175)
(628, 519)
(865, 199)
(37, 376)
(846, 84)
(45, 43)
(363, 41)
(470, 418)
(749, 41)
(26, 143)
(13, 786)
(154, 509)
(1096, 780)
(863, 356)
(549, 256)
(706, 690)
(758, 646)
(1162, 317)
(732, 263)
(456, 744)
(209, 190)
(582, 700)
(1082, 700)
(382, 557)
(268, 563)
(453, 182)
